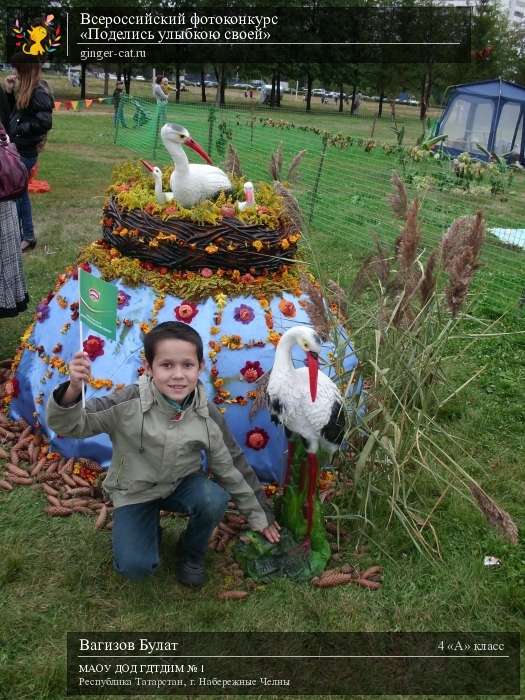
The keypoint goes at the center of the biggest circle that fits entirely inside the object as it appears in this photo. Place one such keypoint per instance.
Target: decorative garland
(190, 285)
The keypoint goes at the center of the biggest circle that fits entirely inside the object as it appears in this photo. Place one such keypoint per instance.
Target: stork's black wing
(335, 429)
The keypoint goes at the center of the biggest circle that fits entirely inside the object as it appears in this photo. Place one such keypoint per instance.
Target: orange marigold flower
(285, 244)
(214, 330)
(257, 245)
(274, 337)
(211, 248)
(287, 308)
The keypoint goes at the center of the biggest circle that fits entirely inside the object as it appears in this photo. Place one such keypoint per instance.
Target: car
(243, 86)
(318, 92)
(140, 77)
(210, 83)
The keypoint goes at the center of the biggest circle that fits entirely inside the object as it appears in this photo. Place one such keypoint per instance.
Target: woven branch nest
(188, 252)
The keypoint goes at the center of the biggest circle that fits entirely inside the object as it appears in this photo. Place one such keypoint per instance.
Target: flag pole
(83, 386)
(81, 341)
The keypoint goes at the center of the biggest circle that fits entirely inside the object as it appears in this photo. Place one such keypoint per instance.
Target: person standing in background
(30, 120)
(160, 90)
(13, 291)
(117, 106)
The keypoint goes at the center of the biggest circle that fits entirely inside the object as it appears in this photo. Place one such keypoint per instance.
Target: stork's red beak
(198, 149)
(313, 371)
(148, 165)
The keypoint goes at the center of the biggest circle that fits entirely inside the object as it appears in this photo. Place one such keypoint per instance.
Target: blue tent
(490, 113)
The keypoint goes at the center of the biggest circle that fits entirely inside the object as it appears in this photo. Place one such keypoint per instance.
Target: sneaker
(189, 570)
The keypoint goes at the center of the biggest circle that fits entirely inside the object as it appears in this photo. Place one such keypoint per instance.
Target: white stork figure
(190, 183)
(307, 403)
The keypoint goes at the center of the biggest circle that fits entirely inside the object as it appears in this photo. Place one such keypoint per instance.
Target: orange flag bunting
(58, 105)
(88, 103)
(74, 104)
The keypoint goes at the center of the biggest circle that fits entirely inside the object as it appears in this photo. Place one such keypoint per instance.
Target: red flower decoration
(12, 387)
(74, 310)
(94, 346)
(85, 266)
(247, 278)
(206, 272)
(186, 312)
(287, 308)
(252, 371)
(257, 439)
(244, 314)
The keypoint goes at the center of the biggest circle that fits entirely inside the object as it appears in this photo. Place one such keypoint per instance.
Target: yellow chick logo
(40, 38)
(37, 35)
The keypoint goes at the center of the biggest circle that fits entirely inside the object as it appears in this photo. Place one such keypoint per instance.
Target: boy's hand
(272, 533)
(79, 371)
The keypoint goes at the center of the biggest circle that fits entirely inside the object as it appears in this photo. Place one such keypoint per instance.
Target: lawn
(56, 574)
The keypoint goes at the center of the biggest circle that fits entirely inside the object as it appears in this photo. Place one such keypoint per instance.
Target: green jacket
(155, 447)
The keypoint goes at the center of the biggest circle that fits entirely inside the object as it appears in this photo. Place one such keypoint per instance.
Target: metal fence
(344, 181)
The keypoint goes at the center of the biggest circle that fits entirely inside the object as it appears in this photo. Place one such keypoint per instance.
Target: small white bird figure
(160, 196)
(307, 403)
(249, 197)
(190, 183)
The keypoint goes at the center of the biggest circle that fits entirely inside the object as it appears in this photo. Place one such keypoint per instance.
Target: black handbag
(13, 173)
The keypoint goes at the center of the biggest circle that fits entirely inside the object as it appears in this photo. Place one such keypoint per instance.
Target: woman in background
(30, 120)
(13, 292)
(160, 90)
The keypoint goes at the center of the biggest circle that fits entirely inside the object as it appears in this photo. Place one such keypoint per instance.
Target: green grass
(56, 575)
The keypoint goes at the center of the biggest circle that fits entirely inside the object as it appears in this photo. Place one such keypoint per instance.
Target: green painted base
(263, 561)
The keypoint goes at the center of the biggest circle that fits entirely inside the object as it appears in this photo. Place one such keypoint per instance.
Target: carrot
(365, 583)
(232, 595)
(38, 467)
(3, 454)
(83, 509)
(67, 466)
(79, 491)
(222, 526)
(79, 480)
(61, 512)
(54, 501)
(348, 569)
(372, 571)
(49, 490)
(335, 579)
(235, 520)
(5, 485)
(16, 470)
(82, 502)
(102, 517)
(96, 505)
(14, 457)
(68, 480)
(23, 480)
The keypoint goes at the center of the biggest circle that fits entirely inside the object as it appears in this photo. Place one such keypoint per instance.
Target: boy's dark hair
(171, 330)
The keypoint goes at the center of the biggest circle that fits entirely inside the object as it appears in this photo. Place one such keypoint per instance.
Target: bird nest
(180, 244)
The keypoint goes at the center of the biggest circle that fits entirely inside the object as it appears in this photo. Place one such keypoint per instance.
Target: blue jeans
(136, 527)
(23, 206)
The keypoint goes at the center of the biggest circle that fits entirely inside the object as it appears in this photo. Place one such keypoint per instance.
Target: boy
(158, 429)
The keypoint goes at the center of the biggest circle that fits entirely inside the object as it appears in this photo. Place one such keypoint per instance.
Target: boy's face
(175, 368)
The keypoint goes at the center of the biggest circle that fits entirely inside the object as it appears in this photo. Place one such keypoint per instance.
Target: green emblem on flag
(98, 304)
